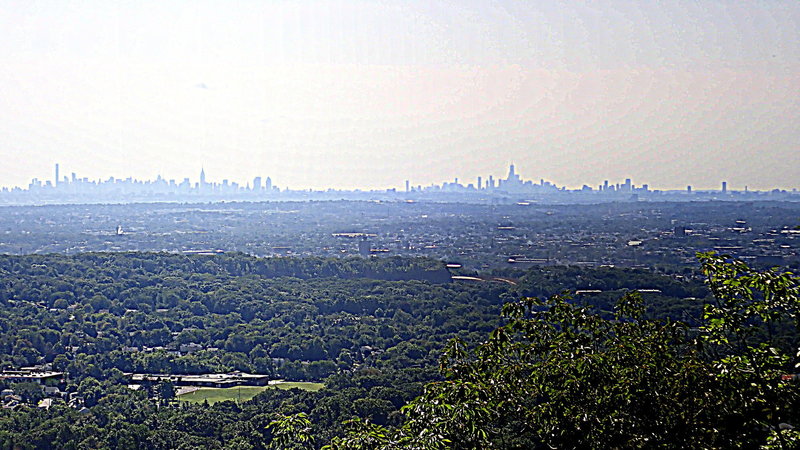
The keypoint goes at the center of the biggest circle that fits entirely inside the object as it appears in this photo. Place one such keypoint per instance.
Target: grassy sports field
(241, 393)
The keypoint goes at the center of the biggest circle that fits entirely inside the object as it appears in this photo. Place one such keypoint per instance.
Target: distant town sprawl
(73, 189)
(472, 236)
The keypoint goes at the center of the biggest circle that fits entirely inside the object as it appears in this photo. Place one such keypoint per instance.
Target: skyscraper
(202, 176)
(56, 183)
(513, 183)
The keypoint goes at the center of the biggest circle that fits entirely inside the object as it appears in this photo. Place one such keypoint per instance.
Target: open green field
(242, 393)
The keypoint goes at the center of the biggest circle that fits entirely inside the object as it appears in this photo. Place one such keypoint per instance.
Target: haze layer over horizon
(360, 94)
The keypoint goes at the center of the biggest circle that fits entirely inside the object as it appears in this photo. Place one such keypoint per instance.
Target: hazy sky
(367, 94)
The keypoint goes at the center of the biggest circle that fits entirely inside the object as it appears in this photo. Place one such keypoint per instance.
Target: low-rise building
(29, 376)
(217, 380)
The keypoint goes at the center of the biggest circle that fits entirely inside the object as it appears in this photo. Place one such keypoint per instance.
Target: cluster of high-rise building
(512, 184)
(71, 189)
(74, 185)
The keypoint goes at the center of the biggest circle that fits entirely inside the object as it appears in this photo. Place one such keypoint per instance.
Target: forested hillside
(373, 330)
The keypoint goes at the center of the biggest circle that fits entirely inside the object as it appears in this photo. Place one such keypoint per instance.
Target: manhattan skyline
(73, 188)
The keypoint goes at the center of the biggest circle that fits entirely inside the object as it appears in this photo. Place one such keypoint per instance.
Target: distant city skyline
(369, 94)
(512, 183)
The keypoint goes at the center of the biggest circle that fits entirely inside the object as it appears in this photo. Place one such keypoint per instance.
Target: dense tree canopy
(682, 364)
(558, 375)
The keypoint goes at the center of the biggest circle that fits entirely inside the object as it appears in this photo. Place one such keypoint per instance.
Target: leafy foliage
(291, 432)
(559, 375)
(597, 370)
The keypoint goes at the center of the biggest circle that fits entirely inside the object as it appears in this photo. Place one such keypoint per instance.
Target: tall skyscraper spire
(202, 176)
